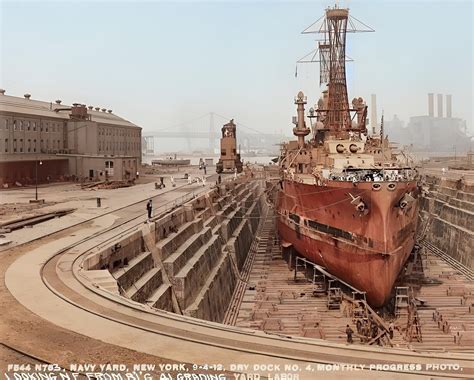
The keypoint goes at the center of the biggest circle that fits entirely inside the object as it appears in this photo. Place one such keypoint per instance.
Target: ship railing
(374, 175)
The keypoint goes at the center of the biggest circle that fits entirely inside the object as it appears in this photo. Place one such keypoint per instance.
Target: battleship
(344, 201)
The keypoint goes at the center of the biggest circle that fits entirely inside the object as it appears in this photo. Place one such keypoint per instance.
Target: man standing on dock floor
(349, 333)
(149, 208)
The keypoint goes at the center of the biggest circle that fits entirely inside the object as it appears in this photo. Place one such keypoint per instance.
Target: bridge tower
(212, 137)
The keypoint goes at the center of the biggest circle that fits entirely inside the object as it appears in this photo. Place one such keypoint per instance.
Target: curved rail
(238, 341)
(163, 208)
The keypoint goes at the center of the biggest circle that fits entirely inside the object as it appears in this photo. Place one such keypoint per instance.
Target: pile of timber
(107, 185)
(31, 220)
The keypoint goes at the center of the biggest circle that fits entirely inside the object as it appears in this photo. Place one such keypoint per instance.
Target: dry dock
(206, 280)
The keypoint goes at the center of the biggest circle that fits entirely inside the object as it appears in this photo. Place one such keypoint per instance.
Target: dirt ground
(25, 331)
(15, 201)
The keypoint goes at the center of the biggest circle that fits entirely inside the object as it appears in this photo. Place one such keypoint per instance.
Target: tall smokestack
(440, 105)
(373, 113)
(448, 106)
(431, 105)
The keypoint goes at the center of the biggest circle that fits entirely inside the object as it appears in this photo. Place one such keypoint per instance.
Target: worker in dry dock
(349, 333)
(359, 328)
(365, 332)
(149, 208)
(391, 327)
(375, 332)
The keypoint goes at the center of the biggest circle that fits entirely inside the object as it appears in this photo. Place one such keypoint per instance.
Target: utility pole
(36, 175)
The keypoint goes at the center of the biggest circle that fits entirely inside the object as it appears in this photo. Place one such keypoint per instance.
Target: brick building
(54, 141)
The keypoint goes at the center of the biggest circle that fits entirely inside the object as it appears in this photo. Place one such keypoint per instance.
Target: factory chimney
(431, 105)
(440, 105)
(448, 106)
(373, 113)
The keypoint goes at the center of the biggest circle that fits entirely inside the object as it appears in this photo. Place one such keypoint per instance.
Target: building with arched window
(72, 142)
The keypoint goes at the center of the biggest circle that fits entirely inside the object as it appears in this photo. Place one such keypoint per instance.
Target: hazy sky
(161, 63)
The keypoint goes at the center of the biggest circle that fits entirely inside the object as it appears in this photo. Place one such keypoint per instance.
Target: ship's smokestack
(373, 113)
(448, 106)
(431, 105)
(440, 105)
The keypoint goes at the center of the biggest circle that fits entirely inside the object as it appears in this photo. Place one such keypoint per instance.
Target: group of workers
(366, 330)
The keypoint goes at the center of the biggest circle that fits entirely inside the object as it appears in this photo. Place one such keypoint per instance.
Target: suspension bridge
(204, 127)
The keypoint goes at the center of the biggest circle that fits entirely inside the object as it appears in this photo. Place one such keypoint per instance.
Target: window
(34, 126)
(14, 125)
(6, 145)
(47, 126)
(21, 145)
(21, 125)
(29, 145)
(34, 145)
(14, 145)
(109, 164)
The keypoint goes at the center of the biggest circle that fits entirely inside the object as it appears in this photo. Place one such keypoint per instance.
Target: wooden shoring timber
(376, 318)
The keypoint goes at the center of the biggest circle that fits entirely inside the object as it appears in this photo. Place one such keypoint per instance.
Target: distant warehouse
(51, 141)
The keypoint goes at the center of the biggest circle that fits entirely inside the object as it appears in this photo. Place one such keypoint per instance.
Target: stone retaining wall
(196, 251)
(450, 206)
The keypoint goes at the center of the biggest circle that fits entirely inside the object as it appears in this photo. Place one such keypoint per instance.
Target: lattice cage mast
(331, 54)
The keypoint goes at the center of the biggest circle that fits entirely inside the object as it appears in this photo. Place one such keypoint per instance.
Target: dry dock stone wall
(197, 252)
(448, 209)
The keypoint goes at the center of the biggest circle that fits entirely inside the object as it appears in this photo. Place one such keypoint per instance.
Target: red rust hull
(367, 251)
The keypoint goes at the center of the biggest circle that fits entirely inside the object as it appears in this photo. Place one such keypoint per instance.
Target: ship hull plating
(365, 249)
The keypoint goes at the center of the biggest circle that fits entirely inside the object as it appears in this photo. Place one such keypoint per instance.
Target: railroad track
(30, 357)
(27, 358)
(193, 333)
(162, 209)
(264, 226)
(467, 272)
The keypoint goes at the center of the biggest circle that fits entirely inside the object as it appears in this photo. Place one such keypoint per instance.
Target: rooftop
(38, 108)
